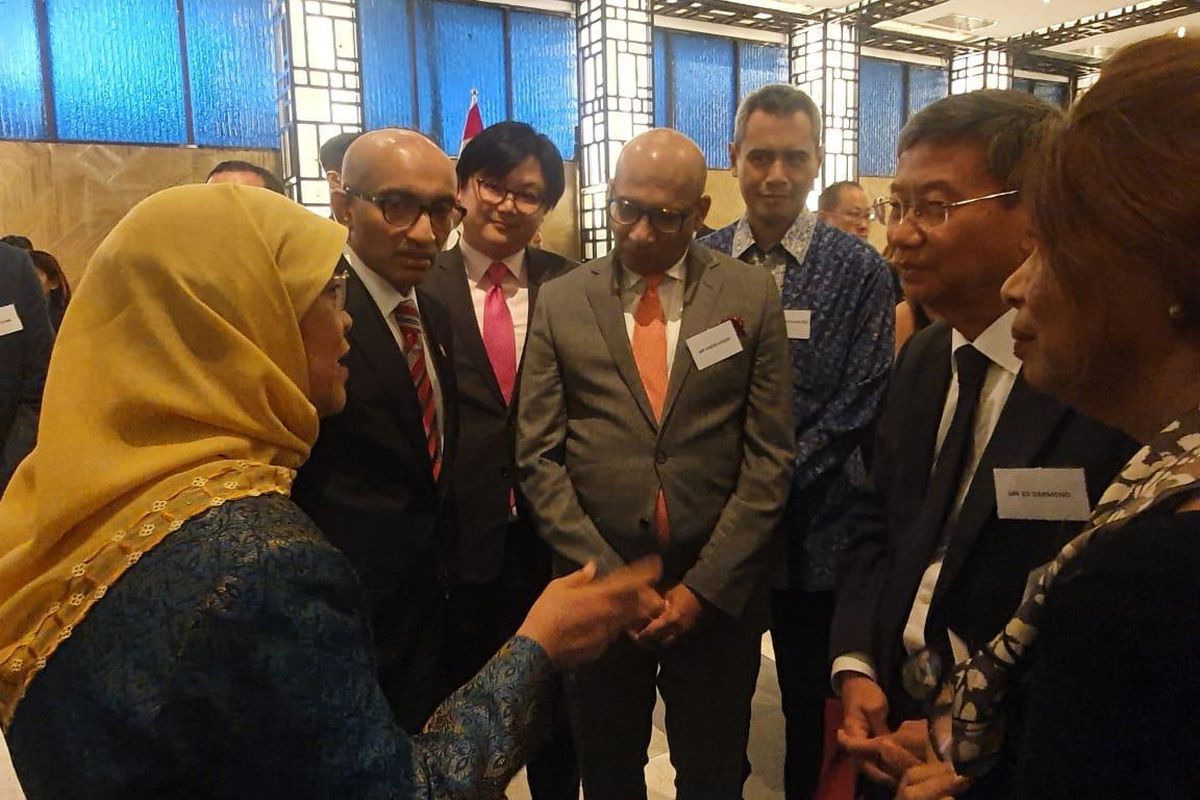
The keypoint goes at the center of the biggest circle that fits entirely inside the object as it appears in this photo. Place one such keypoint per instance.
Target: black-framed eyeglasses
(494, 193)
(663, 220)
(403, 210)
(926, 213)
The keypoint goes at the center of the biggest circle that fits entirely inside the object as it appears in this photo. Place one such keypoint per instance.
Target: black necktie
(935, 516)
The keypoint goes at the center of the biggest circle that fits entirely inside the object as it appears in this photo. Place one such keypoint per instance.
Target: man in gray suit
(656, 417)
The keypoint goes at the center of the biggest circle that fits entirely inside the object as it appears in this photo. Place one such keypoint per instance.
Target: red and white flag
(474, 124)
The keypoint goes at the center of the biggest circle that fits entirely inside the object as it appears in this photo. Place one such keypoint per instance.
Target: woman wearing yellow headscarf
(170, 623)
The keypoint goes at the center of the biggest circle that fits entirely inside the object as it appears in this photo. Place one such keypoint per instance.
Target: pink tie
(498, 337)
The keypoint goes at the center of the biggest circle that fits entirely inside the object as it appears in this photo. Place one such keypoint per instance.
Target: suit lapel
(457, 291)
(605, 301)
(371, 334)
(700, 293)
(1028, 420)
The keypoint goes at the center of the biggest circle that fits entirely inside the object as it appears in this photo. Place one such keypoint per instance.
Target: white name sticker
(798, 322)
(1056, 494)
(715, 344)
(10, 320)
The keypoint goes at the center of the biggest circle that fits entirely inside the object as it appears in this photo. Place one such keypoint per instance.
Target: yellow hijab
(178, 382)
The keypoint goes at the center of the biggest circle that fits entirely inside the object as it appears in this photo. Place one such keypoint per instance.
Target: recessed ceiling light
(1182, 32)
(961, 23)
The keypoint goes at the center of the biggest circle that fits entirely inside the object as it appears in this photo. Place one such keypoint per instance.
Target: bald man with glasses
(655, 417)
(376, 482)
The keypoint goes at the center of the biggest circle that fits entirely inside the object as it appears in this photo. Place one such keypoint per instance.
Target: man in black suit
(376, 481)
(936, 566)
(509, 177)
(25, 341)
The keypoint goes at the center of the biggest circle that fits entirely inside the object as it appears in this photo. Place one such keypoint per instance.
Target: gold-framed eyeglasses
(494, 193)
(403, 209)
(663, 220)
(926, 213)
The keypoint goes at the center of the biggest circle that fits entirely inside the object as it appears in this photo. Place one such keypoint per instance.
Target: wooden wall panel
(67, 197)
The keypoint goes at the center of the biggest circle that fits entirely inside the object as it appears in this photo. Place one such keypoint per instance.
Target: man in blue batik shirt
(838, 306)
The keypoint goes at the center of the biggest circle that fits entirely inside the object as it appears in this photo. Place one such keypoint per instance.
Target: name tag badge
(715, 344)
(798, 322)
(1057, 494)
(10, 320)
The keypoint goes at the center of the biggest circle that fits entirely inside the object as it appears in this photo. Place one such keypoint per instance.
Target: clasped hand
(679, 612)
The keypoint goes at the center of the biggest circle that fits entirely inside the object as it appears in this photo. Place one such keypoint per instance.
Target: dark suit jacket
(983, 573)
(369, 485)
(485, 465)
(24, 357)
(592, 456)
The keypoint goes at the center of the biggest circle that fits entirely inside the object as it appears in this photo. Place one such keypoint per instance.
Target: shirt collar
(477, 263)
(996, 342)
(795, 241)
(630, 279)
(386, 296)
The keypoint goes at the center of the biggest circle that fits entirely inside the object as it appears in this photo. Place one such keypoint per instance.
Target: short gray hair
(778, 100)
(1007, 124)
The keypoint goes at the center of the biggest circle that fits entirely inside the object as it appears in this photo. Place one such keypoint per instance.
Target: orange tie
(650, 355)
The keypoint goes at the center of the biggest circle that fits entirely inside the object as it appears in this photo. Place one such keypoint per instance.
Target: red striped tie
(414, 353)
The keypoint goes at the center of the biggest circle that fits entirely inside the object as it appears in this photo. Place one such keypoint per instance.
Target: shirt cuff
(851, 662)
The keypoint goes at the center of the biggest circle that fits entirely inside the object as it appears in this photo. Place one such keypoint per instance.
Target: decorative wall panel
(21, 106)
(545, 83)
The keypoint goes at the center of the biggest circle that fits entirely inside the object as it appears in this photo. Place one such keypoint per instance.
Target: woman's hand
(578, 616)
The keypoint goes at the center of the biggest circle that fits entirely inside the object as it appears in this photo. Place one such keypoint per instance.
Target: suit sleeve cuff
(851, 662)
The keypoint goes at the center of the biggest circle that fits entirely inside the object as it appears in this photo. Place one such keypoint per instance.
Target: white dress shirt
(670, 293)
(515, 286)
(996, 343)
(387, 298)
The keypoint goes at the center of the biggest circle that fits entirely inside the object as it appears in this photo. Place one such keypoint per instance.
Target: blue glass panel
(704, 93)
(21, 99)
(117, 73)
(459, 48)
(1023, 85)
(662, 94)
(1053, 93)
(387, 66)
(761, 64)
(880, 115)
(926, 85)
(231, 71)
(545, 90)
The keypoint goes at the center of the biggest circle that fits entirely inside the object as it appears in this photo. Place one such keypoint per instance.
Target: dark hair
(499, 148)
(778, 100)
(17, 241)
(333, 152)
(831, 194)
(1006, 124)
(270, 179)
(1118, 187)
(48, 265)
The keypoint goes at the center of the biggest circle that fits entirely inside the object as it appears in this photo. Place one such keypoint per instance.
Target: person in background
(837, 306)
(26, 337)
(17, 241)
(845, 206)
(655, 417)
(54, 285)
(332, 154)
(509, 177)
(1102, 665)
(378, 482)
(938, 557)
(246, 174)
(171, 624)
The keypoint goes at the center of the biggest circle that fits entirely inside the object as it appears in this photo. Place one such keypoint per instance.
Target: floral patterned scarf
(967, 720)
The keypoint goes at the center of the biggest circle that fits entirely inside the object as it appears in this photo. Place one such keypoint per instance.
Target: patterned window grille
(616, 102)
(989, 67)
(825, 64)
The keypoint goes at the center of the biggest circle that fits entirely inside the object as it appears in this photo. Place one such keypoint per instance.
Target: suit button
(660, 458)
(504, 472)
(644, 524)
